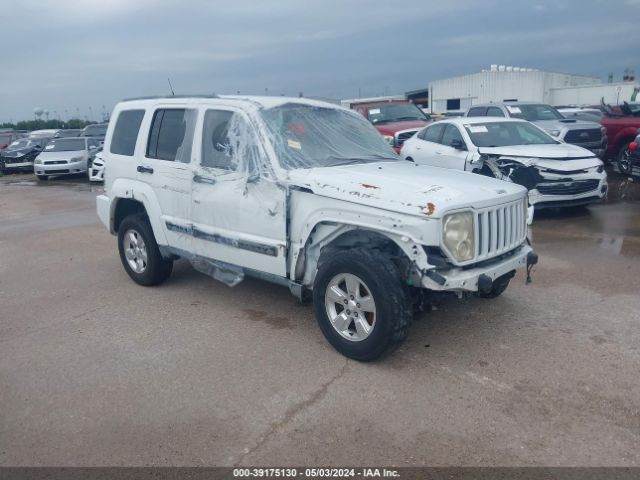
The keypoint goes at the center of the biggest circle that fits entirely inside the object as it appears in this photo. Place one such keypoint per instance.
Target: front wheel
(361, 304)
(624, 165)
(139, 252)
(42, 178)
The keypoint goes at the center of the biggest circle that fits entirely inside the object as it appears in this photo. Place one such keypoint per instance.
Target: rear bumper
(103, 208)
(459, 279)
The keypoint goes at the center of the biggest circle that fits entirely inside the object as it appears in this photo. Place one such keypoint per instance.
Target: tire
(382, 290)
(500, 284)
(42, 178)
(153, 269)
(622, 159)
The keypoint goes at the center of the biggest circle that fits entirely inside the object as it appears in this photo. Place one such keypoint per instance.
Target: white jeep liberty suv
(308, 195)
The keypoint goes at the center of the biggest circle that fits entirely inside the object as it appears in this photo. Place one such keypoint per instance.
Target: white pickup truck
(308, 195)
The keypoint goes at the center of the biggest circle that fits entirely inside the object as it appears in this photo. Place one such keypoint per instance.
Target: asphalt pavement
(98, 371)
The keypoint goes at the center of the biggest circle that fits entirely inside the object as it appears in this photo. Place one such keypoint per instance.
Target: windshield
(65, 145)
(503, 134)
(394, 112)
(533, 113)
(94, 130)
(18, 144)
(305, 136)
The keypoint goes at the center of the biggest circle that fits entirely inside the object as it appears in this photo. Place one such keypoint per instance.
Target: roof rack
(168, 97)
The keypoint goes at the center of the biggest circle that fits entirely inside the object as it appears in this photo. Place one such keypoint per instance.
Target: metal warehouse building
(501, 83)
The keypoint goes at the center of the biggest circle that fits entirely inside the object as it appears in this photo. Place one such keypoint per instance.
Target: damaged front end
(549, 182)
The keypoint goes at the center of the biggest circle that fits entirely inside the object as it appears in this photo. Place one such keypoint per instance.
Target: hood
(568, 123)
(557, 151)
(62, 155)
(561, 156)
(390, 128)
(406, 187)
(17, 153)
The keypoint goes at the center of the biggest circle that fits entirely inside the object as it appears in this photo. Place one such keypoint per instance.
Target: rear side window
(125, 133)
(171, 135)
(477, 112)
(494, 112)
(433, 133)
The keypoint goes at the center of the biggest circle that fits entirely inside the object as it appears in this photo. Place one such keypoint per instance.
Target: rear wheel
(624, 165)
(139, 252)
(360, 303)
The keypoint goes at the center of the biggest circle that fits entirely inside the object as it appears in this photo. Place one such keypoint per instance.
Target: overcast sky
(68, 56)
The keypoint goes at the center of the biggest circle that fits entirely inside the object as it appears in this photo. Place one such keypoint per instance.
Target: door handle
(201, 179)
(143, 169)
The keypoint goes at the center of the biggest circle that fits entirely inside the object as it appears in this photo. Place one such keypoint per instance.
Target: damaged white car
(310, 196)
(556, 174)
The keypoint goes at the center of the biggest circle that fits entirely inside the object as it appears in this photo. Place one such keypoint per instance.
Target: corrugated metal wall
(496, 86)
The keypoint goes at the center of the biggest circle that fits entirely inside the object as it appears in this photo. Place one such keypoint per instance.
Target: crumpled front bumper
(467, 279)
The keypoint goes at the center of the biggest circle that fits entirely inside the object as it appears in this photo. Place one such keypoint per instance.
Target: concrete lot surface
(96, 370)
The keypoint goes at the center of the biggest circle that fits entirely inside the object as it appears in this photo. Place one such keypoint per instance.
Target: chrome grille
(500, 229)
(590, 135)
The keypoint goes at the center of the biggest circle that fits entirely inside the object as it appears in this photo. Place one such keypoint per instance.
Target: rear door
(426, 144)
(166, 168)
(452, 152)
(238, 213)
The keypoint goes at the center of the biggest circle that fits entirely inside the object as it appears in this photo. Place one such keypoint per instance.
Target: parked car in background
(20, 154)
(305, 194)
(65, 156)
(96, 169)
(7, 138)
(48, 133)
(622, 123)
(589, 135)
(68, 132)
(396, 120)
(96, 131)
(588, 114)
(556, 174)
(633, 157)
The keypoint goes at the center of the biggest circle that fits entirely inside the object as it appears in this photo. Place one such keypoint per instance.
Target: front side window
(125, 133)
(306, 136)
(451, 134)
(171, 134)
(502, 134)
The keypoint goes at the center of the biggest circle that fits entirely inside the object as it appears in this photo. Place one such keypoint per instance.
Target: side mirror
(458, 144)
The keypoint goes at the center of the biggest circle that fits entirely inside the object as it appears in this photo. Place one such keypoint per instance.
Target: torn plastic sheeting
(226, 273)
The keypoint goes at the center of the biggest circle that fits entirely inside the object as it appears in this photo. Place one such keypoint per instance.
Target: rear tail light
(633, 146)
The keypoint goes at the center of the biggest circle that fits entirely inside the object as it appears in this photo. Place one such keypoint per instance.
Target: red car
(396, 120)
(623, 125)
(7, 138)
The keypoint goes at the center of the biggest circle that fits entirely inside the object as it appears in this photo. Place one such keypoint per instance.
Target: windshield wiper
(410, 118)
(333, 161)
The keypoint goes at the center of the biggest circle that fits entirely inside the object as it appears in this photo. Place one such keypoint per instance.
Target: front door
(238, 212)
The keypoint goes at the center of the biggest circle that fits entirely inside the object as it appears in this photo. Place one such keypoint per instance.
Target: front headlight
(38, 161)
(389, 139)
(458, 235)
(77, 159)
